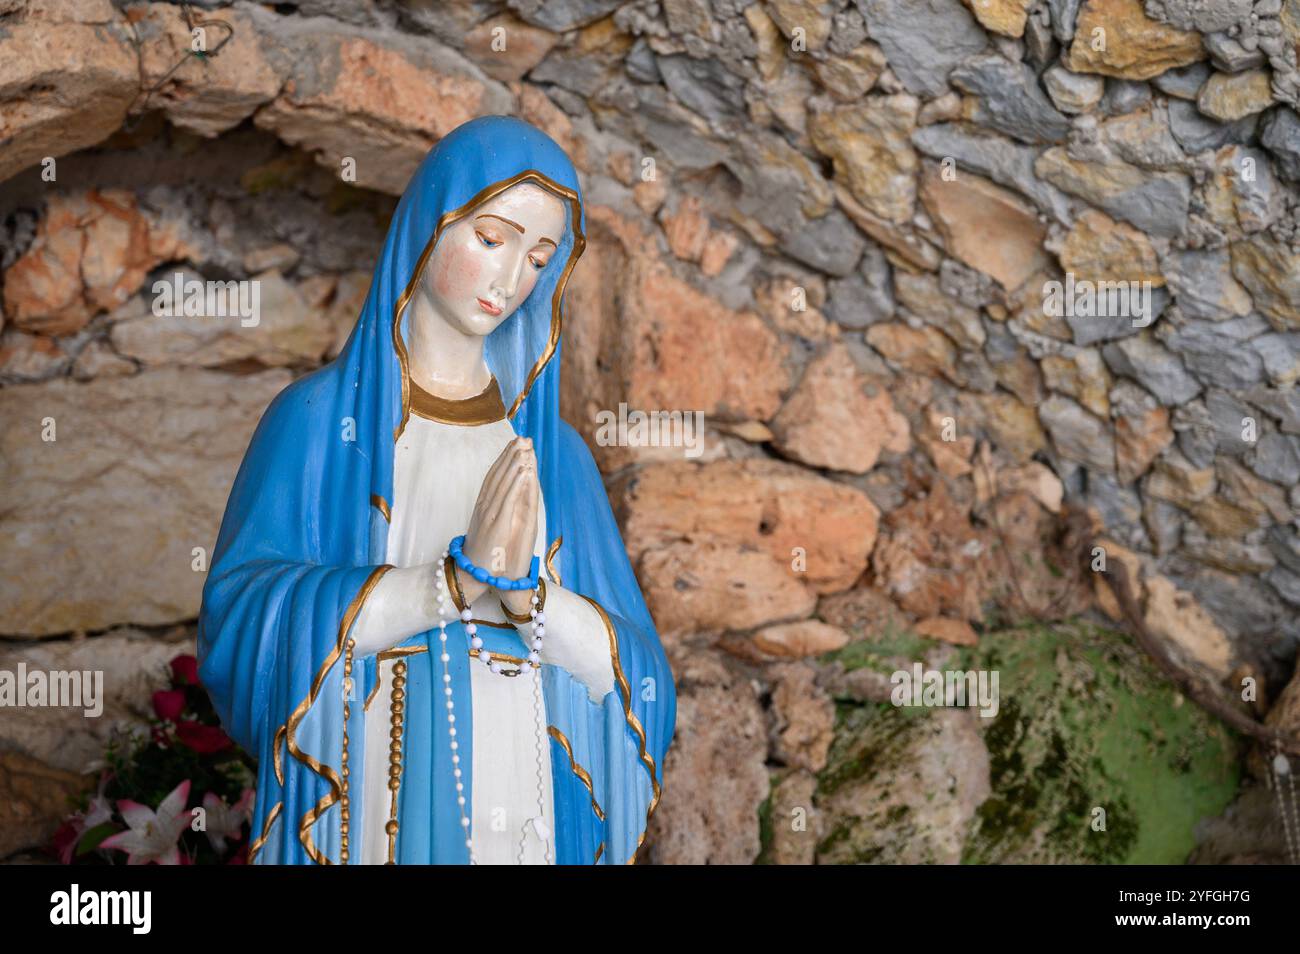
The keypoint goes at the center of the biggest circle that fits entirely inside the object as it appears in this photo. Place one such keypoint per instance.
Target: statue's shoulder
(573, 448)
(302, 403)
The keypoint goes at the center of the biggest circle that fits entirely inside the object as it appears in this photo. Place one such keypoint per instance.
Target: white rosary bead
(466, 615)
(540, 617)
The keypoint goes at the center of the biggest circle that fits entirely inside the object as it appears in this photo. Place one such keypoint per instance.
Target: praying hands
(503, 528)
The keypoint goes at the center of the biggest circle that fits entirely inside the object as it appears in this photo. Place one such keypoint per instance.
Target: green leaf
(91, 839)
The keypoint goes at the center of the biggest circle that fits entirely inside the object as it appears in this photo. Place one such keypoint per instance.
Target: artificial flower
(185, 670)
(204, 739)
(153, 835)
(168, 704)
(226, 821)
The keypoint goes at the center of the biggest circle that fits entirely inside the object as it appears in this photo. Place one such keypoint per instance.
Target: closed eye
(486, 240)
(539, 265)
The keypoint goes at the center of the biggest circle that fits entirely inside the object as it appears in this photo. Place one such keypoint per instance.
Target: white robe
(438, 469)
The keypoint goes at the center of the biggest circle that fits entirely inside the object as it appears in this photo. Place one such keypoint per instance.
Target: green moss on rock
(1085, 722)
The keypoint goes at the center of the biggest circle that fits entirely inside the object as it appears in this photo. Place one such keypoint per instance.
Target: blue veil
(304, 538)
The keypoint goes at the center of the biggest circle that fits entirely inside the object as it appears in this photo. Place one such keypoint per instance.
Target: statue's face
(485, 265)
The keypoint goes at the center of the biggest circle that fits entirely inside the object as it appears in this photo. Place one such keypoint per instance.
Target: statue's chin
(480, 322)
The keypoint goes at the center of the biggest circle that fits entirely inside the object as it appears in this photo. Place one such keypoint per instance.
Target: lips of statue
(486, 265)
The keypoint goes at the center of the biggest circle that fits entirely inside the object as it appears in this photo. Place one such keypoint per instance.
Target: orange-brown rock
(1036, 480)
(714, 776)
(30, 357)
(986, 226)
(211, 93)
(1100, 249)
(636, 333)
(924, 350)
(831, 421)
(352, 98)
(687, 229)
(507, 48)
(808, 637)
(140, 467)
(718, 249)
(817, 531)
(550, 119)
(794, 308)
(1175, 617)
(1014, 426)
(803, 715)
(931, 560)
(1139, 440)
(702, 587)
(686, 350)
(1117, 38)
(950, 453)
(67, 76)
(901, 242)
(863, 612)
(92, 251)
(955, 631)
(34, 800)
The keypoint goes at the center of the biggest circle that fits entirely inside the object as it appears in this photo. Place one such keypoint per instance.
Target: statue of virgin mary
(370, 627)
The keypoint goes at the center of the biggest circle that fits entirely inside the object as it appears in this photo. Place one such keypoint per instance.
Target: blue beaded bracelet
(528, 582)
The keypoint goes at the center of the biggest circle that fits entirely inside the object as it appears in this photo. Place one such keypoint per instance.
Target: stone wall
(829, 226)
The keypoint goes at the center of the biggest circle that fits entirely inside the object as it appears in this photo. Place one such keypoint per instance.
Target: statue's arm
(403, 604)
(576, 640)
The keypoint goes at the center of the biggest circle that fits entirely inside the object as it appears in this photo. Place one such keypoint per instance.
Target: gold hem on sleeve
(583, 775)
(625, 693)
(313, 814)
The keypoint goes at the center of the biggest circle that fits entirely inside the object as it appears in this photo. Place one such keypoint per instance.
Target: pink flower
(226, 821)
(185, 671)
(152, 836)
(97, 813)
(65, 839)
(204, 739)
(168, 704)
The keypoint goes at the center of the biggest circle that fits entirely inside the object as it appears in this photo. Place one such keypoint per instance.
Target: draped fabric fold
(304, 539)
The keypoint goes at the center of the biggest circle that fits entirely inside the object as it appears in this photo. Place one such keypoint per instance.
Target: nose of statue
(507, 281)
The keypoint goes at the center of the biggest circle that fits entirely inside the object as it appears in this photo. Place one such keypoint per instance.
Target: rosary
(534, 662)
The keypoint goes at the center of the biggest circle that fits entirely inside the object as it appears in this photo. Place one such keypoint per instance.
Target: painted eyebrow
(517, 226)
